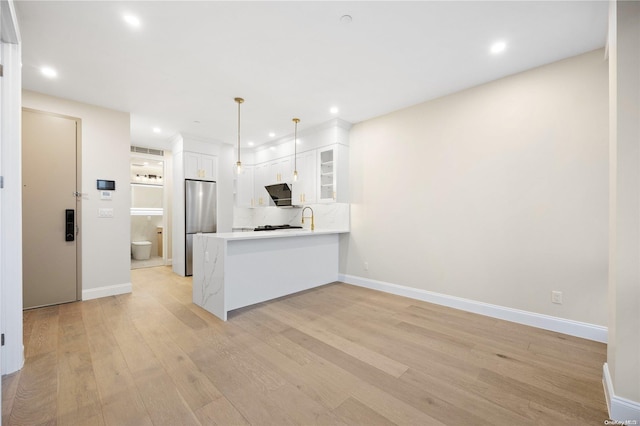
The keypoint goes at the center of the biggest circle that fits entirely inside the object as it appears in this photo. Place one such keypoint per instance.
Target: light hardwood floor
(337, 354)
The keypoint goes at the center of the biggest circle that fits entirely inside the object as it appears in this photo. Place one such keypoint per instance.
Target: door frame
(11, 194)
(78, 189)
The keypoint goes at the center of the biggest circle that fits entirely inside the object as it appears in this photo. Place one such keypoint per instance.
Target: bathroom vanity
(238, 269)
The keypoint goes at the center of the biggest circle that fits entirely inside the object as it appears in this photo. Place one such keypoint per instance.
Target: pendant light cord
(295, 148)
(239, 101)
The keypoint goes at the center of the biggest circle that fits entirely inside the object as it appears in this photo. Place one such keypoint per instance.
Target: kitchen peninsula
(238, 269)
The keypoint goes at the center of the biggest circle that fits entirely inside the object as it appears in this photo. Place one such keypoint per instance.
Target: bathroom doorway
(148, 240)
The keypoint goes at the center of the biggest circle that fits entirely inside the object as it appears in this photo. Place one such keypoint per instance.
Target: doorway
(147, 208)
(50, 208)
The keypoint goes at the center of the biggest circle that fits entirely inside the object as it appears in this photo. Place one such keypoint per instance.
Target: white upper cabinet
(261, 173)
(244, 188)
(322, 161)
(200, 166)
(304, 189)
(280, 171)
(332, 184)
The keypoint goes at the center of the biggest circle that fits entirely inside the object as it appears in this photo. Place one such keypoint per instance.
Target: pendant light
(295, 149)
(238, 163)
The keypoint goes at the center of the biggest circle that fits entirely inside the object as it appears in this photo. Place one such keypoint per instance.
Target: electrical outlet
(366, 266)
(556, 297)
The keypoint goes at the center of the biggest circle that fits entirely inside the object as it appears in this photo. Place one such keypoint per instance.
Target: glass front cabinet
(332, 174)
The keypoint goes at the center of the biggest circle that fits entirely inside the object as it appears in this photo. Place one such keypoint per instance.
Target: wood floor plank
(193, 386)
(372, 358)
(553, 402)
(354, 412)
(78, 399)
(43, 336)
(302, 409)
(420, 398)
(163, 402)
(9, 390)
(322, 382)
(125, 408)
(337, 354)
(392, 408)
(220, 412)
(36, 397)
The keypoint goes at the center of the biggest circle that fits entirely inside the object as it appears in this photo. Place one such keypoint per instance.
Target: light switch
(102, 212)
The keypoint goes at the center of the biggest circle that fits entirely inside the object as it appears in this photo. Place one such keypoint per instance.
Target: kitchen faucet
(312, 224)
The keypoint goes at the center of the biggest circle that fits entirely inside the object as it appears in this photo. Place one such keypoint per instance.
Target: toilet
(141, 250)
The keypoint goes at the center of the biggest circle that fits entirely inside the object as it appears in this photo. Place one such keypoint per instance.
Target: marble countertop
(281, 233)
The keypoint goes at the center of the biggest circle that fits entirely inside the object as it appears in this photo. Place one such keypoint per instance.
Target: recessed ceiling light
(271, 134)
(272, 147)
(49, 72)
(498, 47)
(159, 163)
(346, 19)
(157, 130)
(334, 110)
(146, 163)
(132, 20)
(251, 144)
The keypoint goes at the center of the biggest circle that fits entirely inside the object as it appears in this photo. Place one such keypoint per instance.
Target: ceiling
(181, 69)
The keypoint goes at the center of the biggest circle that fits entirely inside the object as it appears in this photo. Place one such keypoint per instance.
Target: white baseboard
(620, 409)
(583, 330)
(109, 290)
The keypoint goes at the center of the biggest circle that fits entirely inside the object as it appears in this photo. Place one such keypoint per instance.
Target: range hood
(280, 193)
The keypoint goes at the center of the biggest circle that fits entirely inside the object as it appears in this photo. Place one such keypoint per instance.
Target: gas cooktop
(276, 227)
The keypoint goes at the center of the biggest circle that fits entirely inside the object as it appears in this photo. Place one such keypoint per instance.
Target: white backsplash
(326, 216)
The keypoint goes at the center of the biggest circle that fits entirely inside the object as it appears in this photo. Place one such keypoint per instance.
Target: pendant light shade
(239, 163)
(295, 149)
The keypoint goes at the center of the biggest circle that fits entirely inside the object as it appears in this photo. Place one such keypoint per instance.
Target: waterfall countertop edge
(257, 235)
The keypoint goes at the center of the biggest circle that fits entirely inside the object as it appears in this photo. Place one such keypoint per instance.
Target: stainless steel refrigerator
(200, 214)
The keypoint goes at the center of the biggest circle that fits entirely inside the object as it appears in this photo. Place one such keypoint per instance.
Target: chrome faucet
(303, 217)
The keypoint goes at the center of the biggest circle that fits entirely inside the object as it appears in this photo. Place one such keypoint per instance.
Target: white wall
(496, 194)
(622, 371)
(105, 242)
